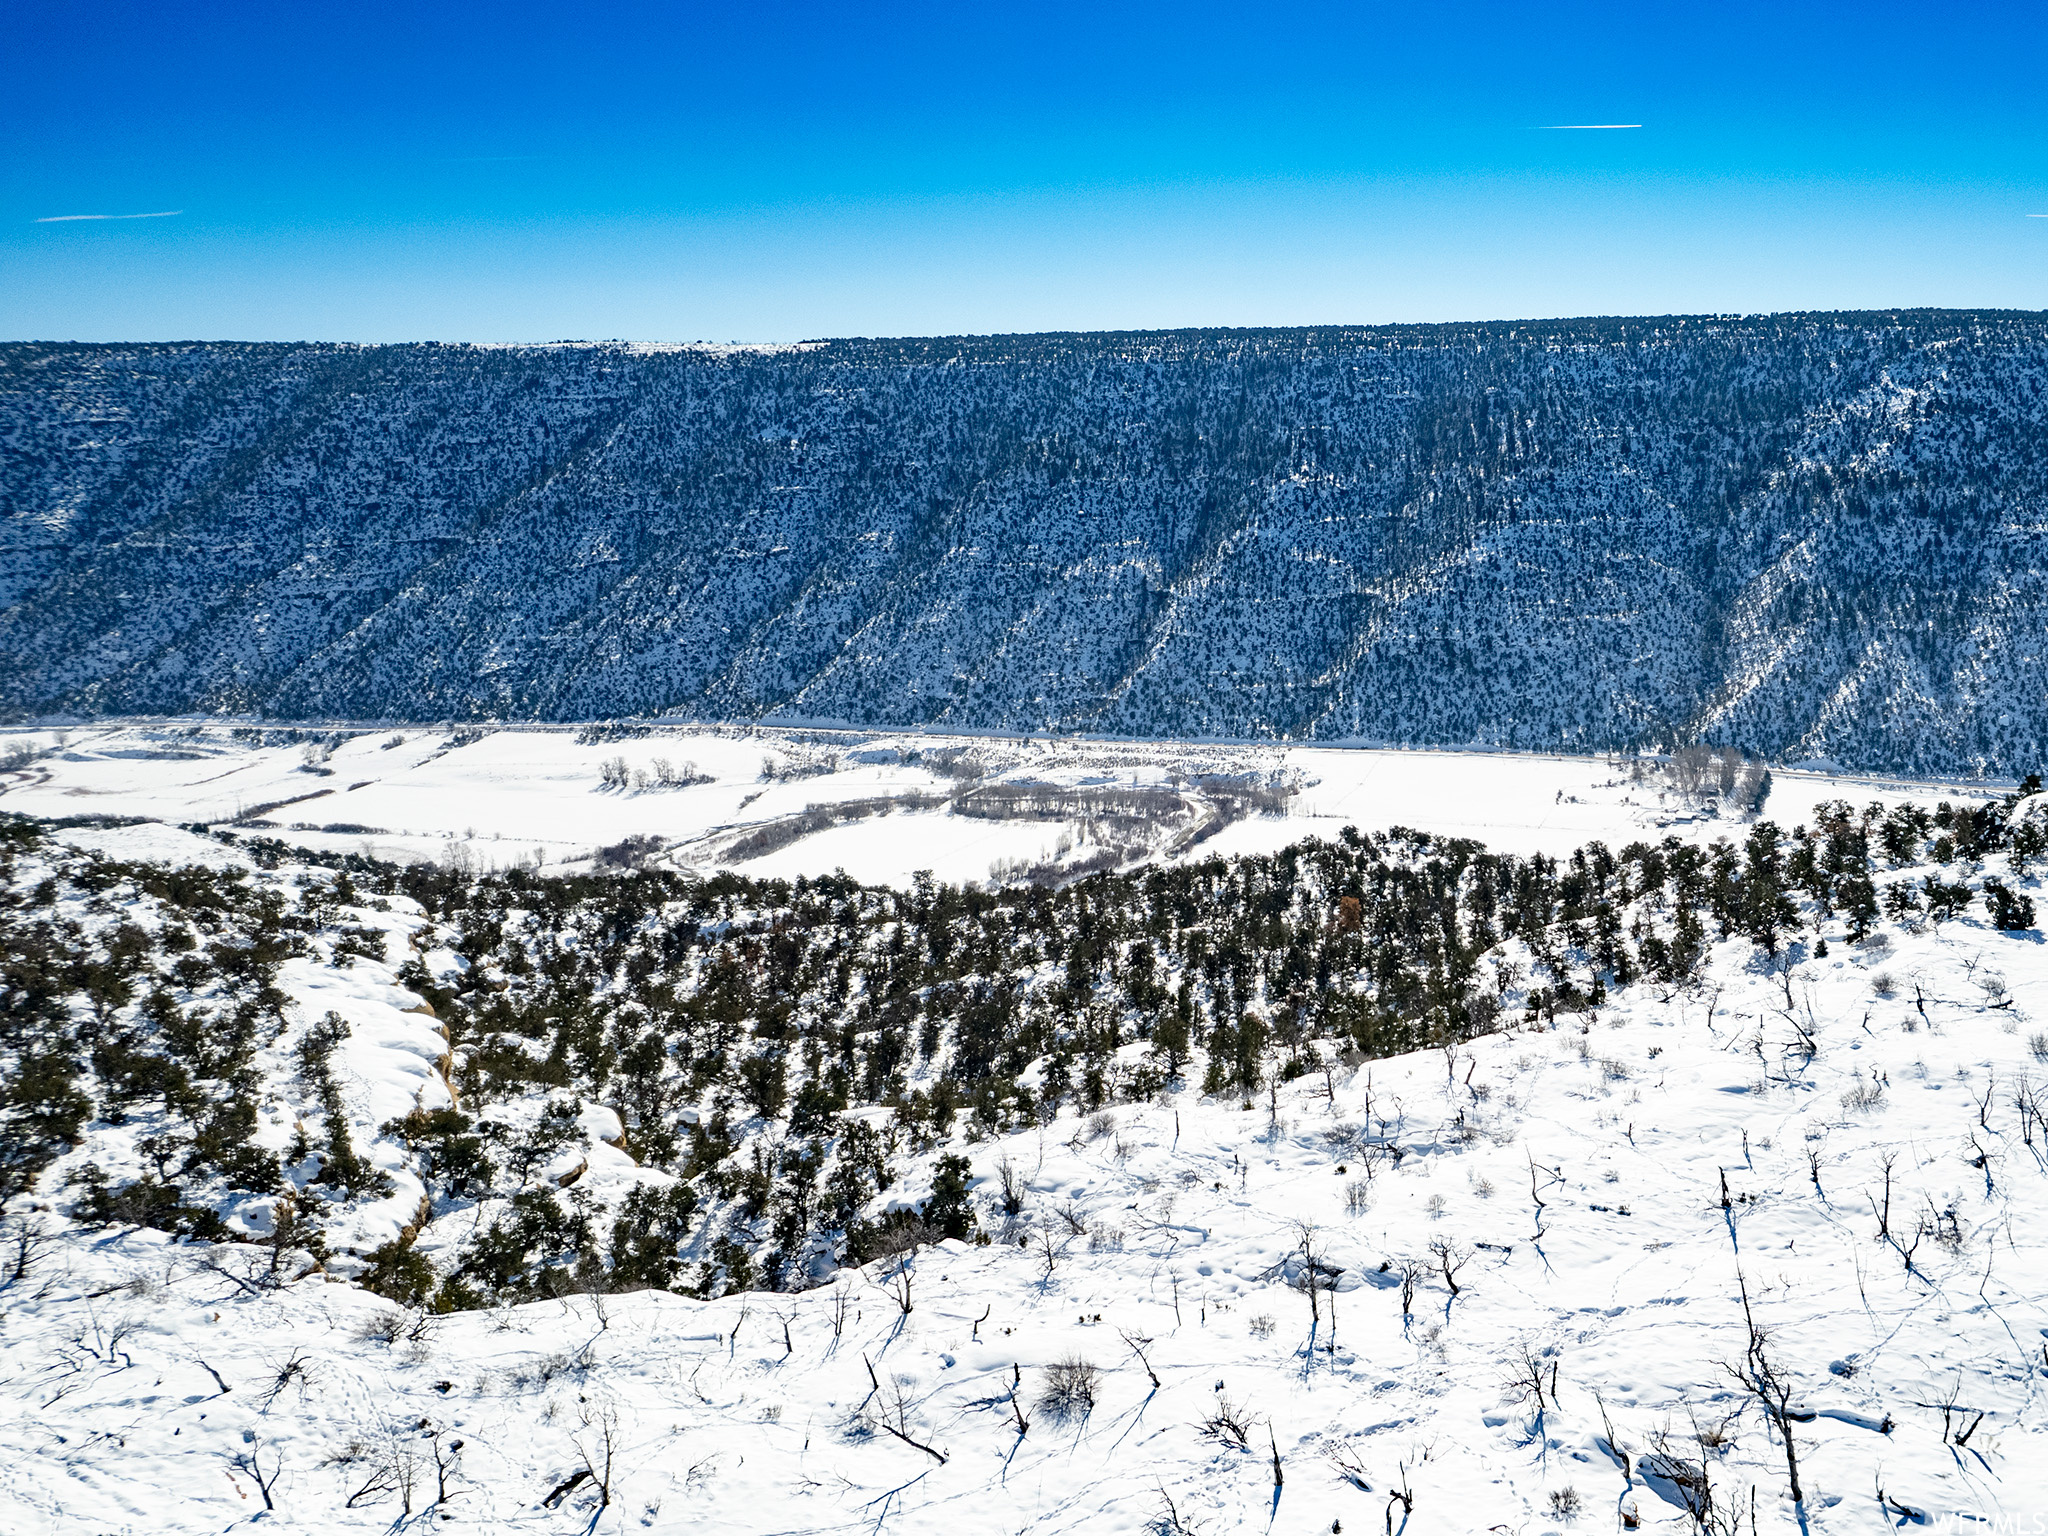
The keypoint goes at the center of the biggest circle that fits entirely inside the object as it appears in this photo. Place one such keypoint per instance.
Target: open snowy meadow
(877, 806)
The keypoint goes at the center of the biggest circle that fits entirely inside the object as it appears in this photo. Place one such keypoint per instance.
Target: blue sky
(771, 172)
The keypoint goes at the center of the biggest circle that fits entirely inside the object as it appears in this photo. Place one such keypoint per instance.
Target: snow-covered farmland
(496, 798)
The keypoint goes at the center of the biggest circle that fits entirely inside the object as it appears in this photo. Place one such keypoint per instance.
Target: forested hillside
(217, 1051)
(1816, 536)
(1379, 1177)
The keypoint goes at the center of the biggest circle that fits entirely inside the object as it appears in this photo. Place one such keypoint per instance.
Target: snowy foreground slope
(1600, 1188)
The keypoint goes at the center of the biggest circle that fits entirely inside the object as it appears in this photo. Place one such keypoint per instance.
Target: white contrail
(1580, 127)
(73, 218)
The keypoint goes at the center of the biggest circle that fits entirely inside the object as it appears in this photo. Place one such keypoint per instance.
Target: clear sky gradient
(773, 171)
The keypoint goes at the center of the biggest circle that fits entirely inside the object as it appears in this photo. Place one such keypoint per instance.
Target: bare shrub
(1357, 1197)
(1884, 984)
(1565, 1503)
(1261, 1326)
(2037, 1042)
(24, 1244)
(1450, 1258)
(390, 1325)
(1229, 1423)
(1069, 1391)
(378, 1471)
(1013, 1187)
(1865, 1095)
(1106, 1239)
(1098, 1125)
(543, 1370)
(598, 1444)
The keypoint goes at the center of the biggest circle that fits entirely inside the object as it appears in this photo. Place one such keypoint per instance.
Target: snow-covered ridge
(1811, 535)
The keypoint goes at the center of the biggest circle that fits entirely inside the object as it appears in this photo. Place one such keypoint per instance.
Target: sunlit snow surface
(142, 1392)
(510, 795)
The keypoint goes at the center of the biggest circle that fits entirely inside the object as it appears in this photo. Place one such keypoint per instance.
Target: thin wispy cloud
(77, 218)
(1581, 127)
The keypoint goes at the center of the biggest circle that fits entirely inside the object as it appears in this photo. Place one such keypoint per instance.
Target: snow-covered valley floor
(1600, 1192)
(501, 797)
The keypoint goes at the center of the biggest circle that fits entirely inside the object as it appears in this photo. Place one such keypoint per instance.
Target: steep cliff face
(1815, 535)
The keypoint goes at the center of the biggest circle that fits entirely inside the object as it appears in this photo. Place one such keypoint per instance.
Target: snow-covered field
(498, 798)
(1600, 1193)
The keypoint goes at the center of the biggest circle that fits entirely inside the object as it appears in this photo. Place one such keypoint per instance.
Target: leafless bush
(378, 1471)
(897, 1282)
(1098, 1125)
(392, 1325)
(293, 1369)
(1565, 1503)
(597, 1443)
(1348, 1466)
(676, 775)
(840, 1307)
(544, 1370)
(1944, 1226)
(1761, 1374)
(797, 766)
(1884, 984)
(1357, 1197)
(1105, 1239)
(1229, 1423)
(1069, 1391)
(1013, 1187)
(900, 1237)
(1689, 1479)
(250, 1463)
(1450, 1258)
(24, 1243)
(1411, 1275)
(1865, 1095)
(1170, 1521)
(2037, 1043)
(1533, 1373)
(1261, 1326)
